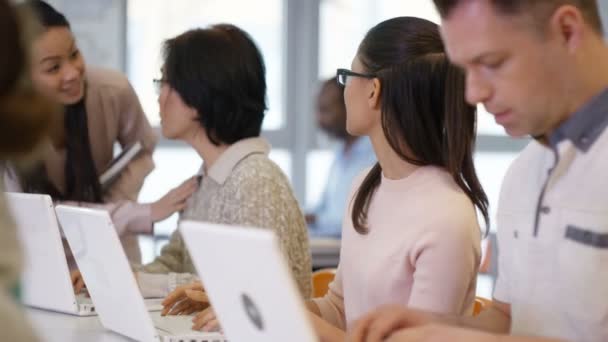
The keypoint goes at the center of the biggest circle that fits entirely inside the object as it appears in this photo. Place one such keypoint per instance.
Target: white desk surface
(58, 327)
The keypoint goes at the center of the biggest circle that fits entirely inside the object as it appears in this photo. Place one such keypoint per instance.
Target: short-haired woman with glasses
(212, 95)
(411, 235)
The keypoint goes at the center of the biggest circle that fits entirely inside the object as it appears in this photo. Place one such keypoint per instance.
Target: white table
(58, 327)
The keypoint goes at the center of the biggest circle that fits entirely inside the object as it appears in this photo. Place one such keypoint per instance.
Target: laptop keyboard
(179, 329)
(85, 305)
(83, 299)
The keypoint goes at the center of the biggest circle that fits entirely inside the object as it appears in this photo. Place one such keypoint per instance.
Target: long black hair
(423, 107)
(81, 179)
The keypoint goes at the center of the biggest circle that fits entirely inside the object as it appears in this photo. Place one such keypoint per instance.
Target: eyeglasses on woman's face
(158, 84)
(343, 74)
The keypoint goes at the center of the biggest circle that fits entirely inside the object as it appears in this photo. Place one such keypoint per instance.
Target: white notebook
(119, 163)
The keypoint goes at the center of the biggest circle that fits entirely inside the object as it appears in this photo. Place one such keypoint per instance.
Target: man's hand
(440, 333)
(382, 323)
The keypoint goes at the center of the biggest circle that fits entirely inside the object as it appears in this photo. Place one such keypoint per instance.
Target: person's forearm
(325, 331)
(490, 320)
(312, 307)
(507, 338)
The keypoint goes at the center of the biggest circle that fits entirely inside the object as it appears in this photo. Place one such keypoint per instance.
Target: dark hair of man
(220, 72)
(539, 10)
(425, 116)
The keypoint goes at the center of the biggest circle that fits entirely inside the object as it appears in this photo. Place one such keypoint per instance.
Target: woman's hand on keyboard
(77, 281)
(185, 300)
(206, 321)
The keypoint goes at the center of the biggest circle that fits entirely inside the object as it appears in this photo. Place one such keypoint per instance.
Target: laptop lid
(106, 271)
(45, 280)
(248, 282)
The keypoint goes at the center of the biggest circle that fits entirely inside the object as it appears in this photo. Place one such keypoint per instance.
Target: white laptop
(248, 283)
(110, 281)
(45, 280)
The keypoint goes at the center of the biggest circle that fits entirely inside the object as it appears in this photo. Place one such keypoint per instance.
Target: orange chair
(321, 280)
(480, 305)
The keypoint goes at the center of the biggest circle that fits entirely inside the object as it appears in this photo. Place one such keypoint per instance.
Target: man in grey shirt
(540, 67)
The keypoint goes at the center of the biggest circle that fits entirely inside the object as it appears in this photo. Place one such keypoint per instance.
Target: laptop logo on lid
(252, 312)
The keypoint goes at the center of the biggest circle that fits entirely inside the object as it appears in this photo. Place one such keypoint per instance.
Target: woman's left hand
(206, 321)
(185, 300)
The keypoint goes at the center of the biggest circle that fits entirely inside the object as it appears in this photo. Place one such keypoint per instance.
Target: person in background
(100, 110)
(352, 155)
(541, 69)
(212, 95)
(25, 119)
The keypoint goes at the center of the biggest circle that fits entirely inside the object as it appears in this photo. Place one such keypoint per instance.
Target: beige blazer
(114, 116)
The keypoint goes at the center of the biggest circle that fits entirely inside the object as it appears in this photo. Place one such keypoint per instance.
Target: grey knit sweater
(244, 187)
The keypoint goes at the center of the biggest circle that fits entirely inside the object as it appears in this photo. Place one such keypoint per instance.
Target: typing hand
(185, 300)
(440, 333)
(206, 321)
(77, 281)
(382, 323)
(174, 200)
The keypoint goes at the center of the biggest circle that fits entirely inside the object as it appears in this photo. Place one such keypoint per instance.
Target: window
(150, 22)
(343, 24)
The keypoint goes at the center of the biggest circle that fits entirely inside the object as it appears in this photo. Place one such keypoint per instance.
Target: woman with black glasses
(411, 235)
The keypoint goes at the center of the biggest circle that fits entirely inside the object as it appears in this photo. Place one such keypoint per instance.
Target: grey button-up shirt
(553, 231)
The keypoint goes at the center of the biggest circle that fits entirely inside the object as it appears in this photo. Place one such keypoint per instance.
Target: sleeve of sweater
(445, 260)
(263, 198)
(170, 259)
(331, 305)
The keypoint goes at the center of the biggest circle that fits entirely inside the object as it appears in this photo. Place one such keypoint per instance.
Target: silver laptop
(45, 280)
(110, 281)
(248, 282)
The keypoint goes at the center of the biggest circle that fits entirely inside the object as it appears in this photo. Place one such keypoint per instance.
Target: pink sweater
(422, 251)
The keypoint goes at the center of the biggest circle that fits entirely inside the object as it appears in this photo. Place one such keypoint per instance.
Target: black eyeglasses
(158, 84)
(343, 74)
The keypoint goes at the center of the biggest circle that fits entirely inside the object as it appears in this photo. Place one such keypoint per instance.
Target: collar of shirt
(584, 126)
(223, 166)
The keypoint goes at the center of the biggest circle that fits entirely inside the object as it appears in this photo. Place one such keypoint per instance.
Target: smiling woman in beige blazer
(100, 110)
